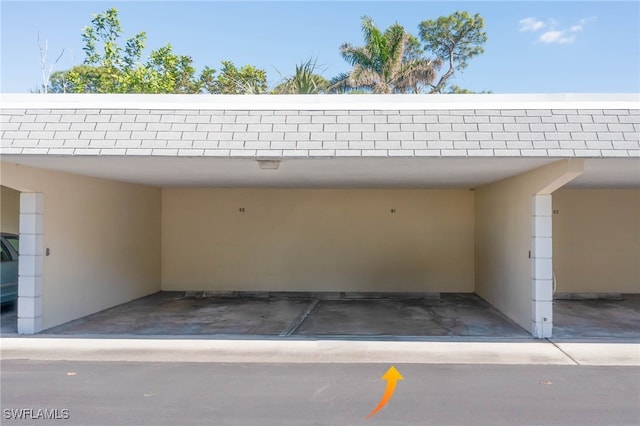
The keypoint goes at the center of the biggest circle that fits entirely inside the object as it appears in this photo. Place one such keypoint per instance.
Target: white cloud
(531, 24)
(580, 25)
(555, 36)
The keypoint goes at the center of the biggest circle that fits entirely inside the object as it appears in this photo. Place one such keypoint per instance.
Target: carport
(596, 248)
(124, 196)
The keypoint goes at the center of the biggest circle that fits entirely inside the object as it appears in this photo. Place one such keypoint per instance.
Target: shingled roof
(479, 126)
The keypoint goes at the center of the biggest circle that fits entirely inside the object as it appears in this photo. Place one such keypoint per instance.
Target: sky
(533, 46)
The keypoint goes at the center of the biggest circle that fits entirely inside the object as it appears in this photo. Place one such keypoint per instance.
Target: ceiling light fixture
(269, 164)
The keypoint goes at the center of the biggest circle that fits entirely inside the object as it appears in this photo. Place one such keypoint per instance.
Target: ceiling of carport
(608, 173)
(329, 172)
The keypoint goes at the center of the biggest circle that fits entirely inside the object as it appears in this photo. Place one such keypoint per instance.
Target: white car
(9, 244)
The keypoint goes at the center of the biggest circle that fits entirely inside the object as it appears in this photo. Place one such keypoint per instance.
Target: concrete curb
(602, 353)
(320, 351)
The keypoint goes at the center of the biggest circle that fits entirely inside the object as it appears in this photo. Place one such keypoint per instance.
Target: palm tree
(390, 61)
(304, 81)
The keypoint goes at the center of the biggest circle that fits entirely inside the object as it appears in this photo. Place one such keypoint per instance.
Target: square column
(541, 266)
(30, 263)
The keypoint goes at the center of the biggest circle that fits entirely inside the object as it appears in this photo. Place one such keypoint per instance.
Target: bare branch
(43, 59)
(43, 62)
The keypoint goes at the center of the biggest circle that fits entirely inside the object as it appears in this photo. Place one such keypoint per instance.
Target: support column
(541, 266)
(514, 267)
(30, 263)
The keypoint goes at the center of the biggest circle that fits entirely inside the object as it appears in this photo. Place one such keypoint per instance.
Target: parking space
(597, 318)
(173, 313)
(330, 316)
(298, 316)
(453, 314)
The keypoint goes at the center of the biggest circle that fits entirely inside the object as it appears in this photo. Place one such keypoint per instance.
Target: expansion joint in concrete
(564, 352)
(299, 320)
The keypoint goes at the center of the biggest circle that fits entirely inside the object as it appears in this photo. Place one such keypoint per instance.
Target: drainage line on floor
(299, 320)
(563, 351)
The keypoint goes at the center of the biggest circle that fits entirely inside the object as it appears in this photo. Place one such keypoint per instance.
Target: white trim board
(322, 102)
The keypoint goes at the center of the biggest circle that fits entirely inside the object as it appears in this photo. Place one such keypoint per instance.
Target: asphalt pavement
(289, 376)
(282, 394)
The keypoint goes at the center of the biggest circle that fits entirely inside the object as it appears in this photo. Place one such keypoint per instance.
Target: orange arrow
(391, 376)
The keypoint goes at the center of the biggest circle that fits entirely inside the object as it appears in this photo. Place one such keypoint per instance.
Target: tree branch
(443, 79)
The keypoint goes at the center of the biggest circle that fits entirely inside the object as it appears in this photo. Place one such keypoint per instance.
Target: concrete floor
(451, 315)
(170, 313)
(579, 319)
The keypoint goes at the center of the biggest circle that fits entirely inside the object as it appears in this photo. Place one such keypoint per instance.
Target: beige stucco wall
(596, 240)
(503, 240)
(503, 230)
(317, 240)
(104, 238)
(9, 210)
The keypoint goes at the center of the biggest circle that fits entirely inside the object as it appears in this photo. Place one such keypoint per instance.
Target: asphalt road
(129, 393)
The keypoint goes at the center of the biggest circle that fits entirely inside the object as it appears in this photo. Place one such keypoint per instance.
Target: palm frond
(390, 61)
(363, 77)
(305, 80)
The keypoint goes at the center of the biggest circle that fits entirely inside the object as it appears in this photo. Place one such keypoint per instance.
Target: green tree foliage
(110, 67)
(305, 80)
(246, 80)
(454, 40)
(113, 67)
(390, 61)
(123, 71)
(116, 72)
(67, 81)
(166, 72)
(457, 90)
